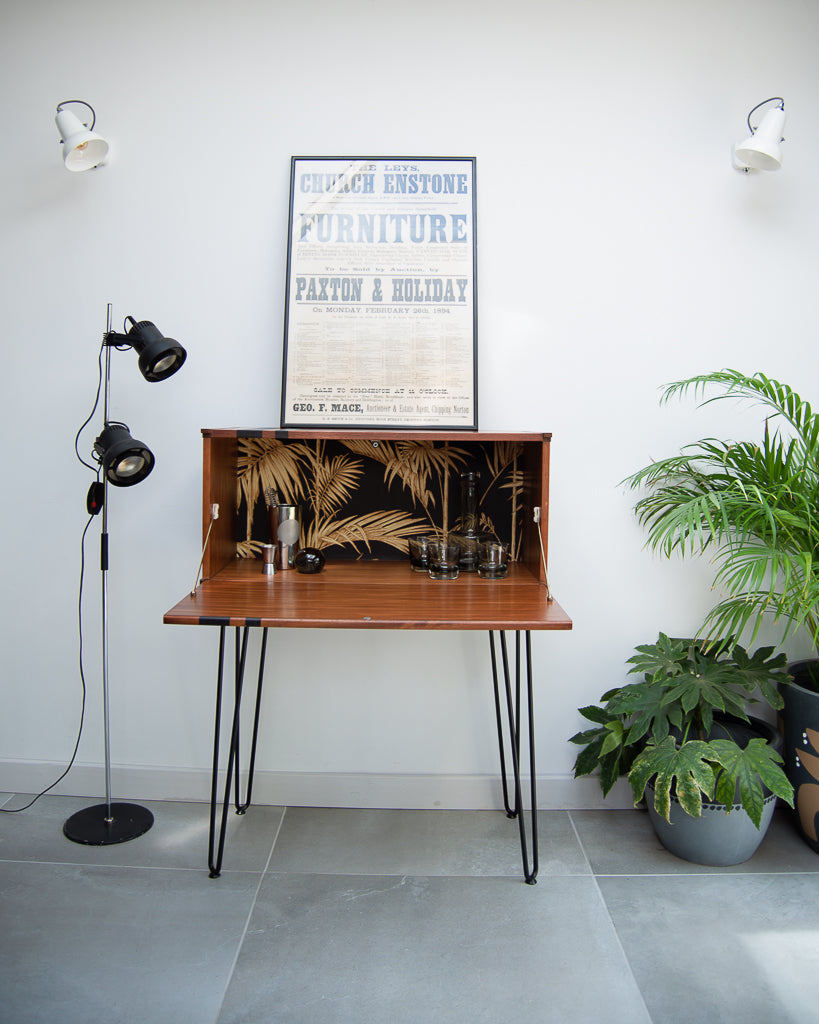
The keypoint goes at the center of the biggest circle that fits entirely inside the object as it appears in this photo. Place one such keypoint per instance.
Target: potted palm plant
(754, 507)
(709, 772)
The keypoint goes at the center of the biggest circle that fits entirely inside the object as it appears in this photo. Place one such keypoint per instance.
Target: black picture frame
(380, 325)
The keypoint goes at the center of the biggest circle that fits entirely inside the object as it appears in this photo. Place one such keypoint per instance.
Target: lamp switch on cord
(94, 499)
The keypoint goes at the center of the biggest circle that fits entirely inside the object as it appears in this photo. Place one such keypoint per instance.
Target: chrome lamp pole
(122, 462)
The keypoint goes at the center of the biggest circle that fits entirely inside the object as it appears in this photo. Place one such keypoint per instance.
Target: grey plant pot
(717, 838)
(800, 727)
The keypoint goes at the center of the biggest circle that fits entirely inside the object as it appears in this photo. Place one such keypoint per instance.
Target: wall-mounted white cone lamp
(82, 147)
(761, 151)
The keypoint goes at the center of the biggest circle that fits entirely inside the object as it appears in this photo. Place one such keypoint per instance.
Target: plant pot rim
(793, 685)
(796, 665)
(711, 805)
(765, 730)
(758, 727)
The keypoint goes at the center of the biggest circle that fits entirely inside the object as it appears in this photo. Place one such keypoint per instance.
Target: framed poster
(380, 326)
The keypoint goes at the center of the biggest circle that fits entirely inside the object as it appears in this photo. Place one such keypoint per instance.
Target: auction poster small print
(380, 313)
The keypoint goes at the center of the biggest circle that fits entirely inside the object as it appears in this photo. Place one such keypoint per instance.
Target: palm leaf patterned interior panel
(363, 499)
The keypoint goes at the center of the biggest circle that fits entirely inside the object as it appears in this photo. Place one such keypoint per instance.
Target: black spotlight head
(125, 462)
(159, 357)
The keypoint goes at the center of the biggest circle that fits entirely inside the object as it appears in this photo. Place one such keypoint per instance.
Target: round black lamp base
(93, 827)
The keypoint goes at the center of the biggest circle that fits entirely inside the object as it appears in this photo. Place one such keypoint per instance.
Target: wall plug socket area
(536, 512)
(214, 511)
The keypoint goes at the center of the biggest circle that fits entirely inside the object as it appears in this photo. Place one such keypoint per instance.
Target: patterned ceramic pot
(800, 728)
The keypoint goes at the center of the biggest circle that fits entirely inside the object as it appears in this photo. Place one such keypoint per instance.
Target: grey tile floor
(387, 917)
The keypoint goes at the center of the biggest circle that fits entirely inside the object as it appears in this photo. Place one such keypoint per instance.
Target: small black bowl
(309, 561)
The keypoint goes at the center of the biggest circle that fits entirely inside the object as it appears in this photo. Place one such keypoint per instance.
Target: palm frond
(382, 452)
(249, 548)
(753, 504)
(263, 463)
(778, 397)
(417, 463)
(499, 457)
(502, 461)
(387, 527)
(333, 484)
(487, 526)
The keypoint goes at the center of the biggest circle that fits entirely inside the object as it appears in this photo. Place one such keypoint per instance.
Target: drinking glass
(443, 560)
(419, 552)
(493, 559)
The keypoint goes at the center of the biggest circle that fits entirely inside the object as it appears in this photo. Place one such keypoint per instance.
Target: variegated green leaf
(757, 765)
(687, 767)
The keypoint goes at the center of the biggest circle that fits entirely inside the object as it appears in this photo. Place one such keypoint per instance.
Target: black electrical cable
(96, 470)
(751, 129)
(91, 414)
(25, 807)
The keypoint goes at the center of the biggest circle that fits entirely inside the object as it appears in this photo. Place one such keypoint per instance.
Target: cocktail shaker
(285, 526)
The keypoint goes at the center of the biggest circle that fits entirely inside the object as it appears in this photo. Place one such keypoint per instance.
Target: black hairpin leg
(513, 714)
(242, 805)
(216, 852)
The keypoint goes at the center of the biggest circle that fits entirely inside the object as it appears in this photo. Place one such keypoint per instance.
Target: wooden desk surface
(368, 595)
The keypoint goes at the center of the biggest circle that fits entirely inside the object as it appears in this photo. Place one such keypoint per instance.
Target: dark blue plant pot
(800, 727)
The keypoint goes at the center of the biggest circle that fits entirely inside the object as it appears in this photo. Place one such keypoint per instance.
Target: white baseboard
(312, 789)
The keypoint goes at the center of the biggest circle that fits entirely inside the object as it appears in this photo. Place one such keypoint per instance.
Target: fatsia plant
(752, 505)
(674, 728)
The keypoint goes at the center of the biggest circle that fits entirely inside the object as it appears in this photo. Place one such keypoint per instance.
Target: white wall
(618, 250)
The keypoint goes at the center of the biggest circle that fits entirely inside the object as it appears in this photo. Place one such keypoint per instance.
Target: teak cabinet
(363, 492)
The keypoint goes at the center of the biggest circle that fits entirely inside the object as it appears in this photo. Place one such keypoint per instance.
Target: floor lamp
(122, 462)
